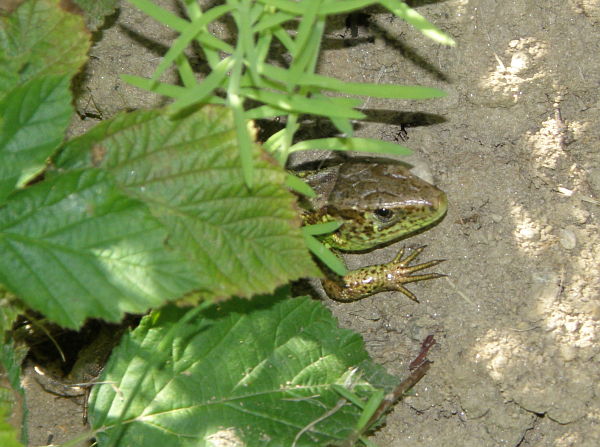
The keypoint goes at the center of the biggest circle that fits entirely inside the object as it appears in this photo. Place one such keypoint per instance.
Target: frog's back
(378, 185)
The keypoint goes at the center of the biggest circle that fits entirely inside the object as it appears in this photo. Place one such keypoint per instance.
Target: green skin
(378, 203)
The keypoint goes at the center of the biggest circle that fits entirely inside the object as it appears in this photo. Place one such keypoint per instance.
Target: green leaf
(286, 6)
(369, 409)
(259, 372)
(346, 6)
(323, 253)
(299, 186)
(203, 91)
(170, 90)
(321, 228)
(8, 434)
(96, 11)
(374, 90)
(356, 88)
(8, 312)
(161, 15)
(74, 248)
(38, 39)
(351, 144)
(343, 125)
(33, 121)
(186, 37)
(12, 396)
(268, 21)
(188, 172)
(299, 104)
(412, 17)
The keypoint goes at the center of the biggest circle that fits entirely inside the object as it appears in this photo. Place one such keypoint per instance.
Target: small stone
(518, 62)
(528, 233)
(567, 238)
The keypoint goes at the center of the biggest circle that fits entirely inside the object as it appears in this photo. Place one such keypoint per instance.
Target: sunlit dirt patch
(509, 77)
(532, 234)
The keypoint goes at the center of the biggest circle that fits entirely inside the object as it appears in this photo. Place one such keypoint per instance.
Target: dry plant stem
(400, 391)
(425, 347)
(392, 398)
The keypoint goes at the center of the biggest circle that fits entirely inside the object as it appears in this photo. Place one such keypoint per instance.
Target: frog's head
(380, 203)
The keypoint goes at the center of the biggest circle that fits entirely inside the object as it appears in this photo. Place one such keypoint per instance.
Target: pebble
(567, 238)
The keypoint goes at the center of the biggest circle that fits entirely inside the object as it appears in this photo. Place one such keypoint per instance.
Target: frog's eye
(384, 214)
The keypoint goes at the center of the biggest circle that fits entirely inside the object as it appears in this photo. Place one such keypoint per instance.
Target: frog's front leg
(366, 281)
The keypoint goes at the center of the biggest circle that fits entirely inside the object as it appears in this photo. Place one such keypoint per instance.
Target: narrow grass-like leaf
(357, 88)
(369, 409)
(305, 60)
(246, 370)
(161, 15)
(271, 20)
(208, 41)
(207, 45)
(75, 248)
(324, 254)
(285, 39)
(409, 15)
(245, 38)
(186, 73)
(263, 45)
(186, 37)
(305, 34)
(235, 103)
(203, 91)
(286, 6)
(334, 7)
(321, 228)
(343, 125)
(299, 104)
(299, 186)
(374, 90)
(263, 112)
(244, 142)
(33, 121)
(170, 90)
(39, 38)
(349, 395)
(188, 172)
(275, 141)
(351, 144)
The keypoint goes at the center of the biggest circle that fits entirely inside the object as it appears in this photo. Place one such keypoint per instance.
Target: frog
(378, 202)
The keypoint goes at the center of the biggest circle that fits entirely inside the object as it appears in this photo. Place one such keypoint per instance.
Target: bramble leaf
(74, 247)
(39, 38)
(188, 172)
(260, 372)
(33, 120)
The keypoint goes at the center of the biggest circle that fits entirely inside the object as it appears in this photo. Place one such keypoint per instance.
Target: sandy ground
(514, 145)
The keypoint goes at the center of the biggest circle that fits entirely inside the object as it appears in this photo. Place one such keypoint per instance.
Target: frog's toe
(405, 291)
(405, 263)
(400, 272)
